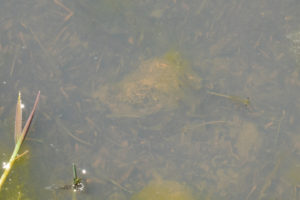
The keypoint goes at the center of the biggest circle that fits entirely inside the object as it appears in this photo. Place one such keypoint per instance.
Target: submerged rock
(157, 84)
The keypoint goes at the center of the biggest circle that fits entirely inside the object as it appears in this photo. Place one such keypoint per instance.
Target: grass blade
(28, 122)
(19, 136)
(18, 119)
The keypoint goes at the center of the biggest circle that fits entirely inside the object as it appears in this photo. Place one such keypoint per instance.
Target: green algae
(164, 190)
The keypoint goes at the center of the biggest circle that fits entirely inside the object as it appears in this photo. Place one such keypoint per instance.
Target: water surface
(215, 146)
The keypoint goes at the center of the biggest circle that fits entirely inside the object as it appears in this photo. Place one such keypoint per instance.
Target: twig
(57, 2)
(13, 63)
(62, 126)
(244, 101)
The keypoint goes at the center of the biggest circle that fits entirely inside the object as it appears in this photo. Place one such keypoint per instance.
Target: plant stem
(19, 135)
(10, 163)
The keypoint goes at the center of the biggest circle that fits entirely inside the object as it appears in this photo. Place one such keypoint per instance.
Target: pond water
(152, 99)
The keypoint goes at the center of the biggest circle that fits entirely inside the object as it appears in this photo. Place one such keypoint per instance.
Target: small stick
(114, 183)
(252, 190)
(57, 2)
(245, 102)
(62, 126)
(13, 63)
(60, 33)
(36, 38)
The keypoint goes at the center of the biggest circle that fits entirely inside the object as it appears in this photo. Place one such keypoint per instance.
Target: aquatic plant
(20, 135)
(77, 182)
(77, 185)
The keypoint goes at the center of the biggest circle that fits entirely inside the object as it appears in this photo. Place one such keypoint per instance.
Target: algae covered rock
(164, 190)
(157, 84)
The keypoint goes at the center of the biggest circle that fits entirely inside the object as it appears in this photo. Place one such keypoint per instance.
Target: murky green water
(128, 95)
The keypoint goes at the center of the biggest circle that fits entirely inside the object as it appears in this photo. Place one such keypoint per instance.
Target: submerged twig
(243, 101)
(13, 63)
(70, 12)
(114, 183)
(64, 128)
